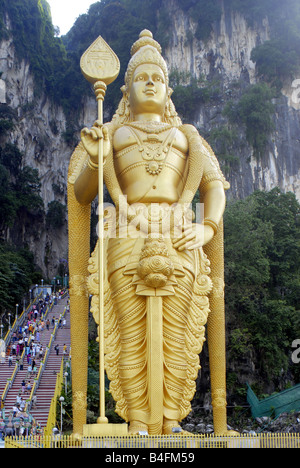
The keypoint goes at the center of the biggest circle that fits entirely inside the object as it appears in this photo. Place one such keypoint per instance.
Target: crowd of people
(28, 351)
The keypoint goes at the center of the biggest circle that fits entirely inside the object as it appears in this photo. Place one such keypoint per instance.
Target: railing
(43, 364)
(52, 416)
(9, 383)
(51, 422)
(11, 380)
(19, 320)
(192, 442)
(37, 380)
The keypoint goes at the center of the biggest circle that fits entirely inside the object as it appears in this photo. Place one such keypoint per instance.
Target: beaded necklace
(150, 126)
(153, 150)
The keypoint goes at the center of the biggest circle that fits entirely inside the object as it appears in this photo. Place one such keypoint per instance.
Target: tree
(17, 271)
(262, 262)
(27, 190)
(8, 200)
(56, 214)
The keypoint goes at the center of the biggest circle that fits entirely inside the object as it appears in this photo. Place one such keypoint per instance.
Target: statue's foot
(77, 438)
(232, 433)
(137, 427)
(227, 433)
(173, 428)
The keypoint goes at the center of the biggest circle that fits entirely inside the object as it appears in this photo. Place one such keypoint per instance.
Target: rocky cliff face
(38, 129)
(226, 55)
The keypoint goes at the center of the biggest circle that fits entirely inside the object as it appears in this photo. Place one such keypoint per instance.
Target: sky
(65, 12)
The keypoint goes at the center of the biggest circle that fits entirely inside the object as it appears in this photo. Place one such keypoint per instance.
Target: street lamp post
(61, 399)
(66, 382)
(17, 309)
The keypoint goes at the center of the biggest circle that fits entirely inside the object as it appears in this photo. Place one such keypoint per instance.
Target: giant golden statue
(163, 274)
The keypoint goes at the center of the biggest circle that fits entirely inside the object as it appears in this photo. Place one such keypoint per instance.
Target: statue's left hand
(194, 237)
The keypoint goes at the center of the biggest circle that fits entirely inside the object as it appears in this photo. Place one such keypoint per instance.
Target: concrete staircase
(45, 392)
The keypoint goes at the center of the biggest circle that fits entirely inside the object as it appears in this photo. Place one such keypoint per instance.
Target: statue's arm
(213, 199)
(86, 185)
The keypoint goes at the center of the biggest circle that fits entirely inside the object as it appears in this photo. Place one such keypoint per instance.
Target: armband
(92, 165)
(212, 224)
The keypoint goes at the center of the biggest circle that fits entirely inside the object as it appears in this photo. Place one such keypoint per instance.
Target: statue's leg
(131, 317)
(176, 383)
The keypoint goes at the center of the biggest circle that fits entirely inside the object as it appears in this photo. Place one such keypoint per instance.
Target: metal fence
(187, 441)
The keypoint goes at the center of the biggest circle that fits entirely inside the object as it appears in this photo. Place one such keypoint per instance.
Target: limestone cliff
(227, 57)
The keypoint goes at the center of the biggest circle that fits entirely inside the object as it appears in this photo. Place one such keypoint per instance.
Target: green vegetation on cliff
(279, 57)
(255, 110)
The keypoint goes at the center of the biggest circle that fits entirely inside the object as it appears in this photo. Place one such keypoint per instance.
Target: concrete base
(187, 441)
(94, 430)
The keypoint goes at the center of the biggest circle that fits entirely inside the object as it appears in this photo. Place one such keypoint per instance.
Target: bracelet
(212, 224)
(92, 165)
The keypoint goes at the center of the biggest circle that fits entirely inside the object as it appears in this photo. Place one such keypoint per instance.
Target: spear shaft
(100, 89)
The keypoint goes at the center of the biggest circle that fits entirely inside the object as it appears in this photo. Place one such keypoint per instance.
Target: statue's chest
(149, 152)
(150, 167)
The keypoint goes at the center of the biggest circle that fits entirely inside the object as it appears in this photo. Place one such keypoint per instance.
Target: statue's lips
(150, 92)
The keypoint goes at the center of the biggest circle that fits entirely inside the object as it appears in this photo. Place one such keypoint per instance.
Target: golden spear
(100, 66)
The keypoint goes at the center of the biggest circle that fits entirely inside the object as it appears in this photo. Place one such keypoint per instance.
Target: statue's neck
(147, 117)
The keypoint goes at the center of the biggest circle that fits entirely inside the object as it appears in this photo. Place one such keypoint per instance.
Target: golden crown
(145, 50)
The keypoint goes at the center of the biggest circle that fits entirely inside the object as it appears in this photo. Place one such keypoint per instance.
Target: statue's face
(148, 91)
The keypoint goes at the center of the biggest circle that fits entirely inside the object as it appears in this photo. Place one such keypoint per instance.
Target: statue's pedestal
(94, 430)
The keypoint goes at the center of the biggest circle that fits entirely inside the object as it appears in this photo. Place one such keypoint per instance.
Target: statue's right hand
(90, 139)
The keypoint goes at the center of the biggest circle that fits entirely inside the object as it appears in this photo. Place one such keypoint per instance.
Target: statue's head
(147, 63)
(145, 51)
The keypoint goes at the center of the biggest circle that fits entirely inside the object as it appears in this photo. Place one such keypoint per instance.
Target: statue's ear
(170, 92)
(125, 92)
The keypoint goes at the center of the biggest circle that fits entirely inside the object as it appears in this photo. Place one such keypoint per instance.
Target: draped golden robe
(184, 314)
